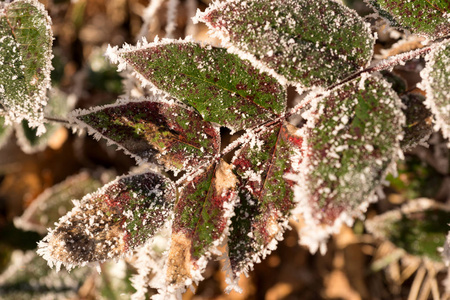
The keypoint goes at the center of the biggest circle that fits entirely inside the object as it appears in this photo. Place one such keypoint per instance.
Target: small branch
(387, 64)
(56, 120)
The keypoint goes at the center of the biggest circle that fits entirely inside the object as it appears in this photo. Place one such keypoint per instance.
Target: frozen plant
(326, 170)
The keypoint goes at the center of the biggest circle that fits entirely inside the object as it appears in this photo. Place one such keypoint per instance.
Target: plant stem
(56, 120)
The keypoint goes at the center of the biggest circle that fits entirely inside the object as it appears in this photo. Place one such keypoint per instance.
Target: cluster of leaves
(326, 171)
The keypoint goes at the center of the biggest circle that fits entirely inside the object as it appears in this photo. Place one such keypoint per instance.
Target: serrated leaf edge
(257, 64)
(213, 249)
(114, 54)
(430, 60)
(73, 119)
(46, 83)
(44, 243)
(406, 30)
(315, 235)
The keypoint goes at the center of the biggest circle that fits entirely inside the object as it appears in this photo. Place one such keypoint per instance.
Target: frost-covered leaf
(55, 202)
(28, 277)
(59, 104)
(419, 227)
(25, 60)
(419, 124)
(304, 43)
(437, 85)
(201, 221)
(5, 131)
(223, 88)
(430, 18)
(110, 222)
(176, 136)
(266, 196)
(351, 139)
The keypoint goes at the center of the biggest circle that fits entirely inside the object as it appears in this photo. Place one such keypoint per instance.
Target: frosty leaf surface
(304, 43)
(437, 85)
(5, 131)
(25, 60)
(266, 196)
(151, 129)
(430, 18)
(419, 227)
(54, 202)
(350, 140)
(28, 277)
(111, 221)
(419, 124)
(201, 220)
(223, 88)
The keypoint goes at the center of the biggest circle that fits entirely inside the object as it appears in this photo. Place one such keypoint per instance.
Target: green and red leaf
(172, 134)
(223, 88)
(25, 60)
(54, 202)
(115, 219)
(351, 140)
(437, 85)
(430, 18)
(202, 217)
(303, 43)
(266, 195)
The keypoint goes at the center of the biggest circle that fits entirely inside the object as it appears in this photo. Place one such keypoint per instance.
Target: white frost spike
(436, 83)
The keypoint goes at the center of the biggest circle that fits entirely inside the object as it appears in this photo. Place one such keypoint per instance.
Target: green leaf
(27, 137)
(424, 17)
(419, 227)
(221, 87)
(266, 196)
(303, 43)
(437, 85)
(5, 131)
(176, 136)
(27, 277)
(54, 202)
(419, 125)
(351, 140)
(202, 217)
(110, 222)
(25, 60)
